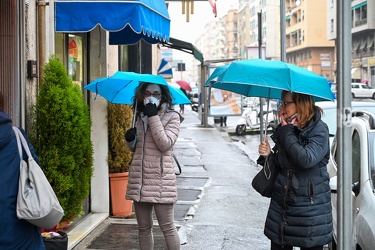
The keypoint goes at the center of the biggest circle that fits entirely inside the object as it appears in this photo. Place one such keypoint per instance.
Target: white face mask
(151, 99)
(152, 88)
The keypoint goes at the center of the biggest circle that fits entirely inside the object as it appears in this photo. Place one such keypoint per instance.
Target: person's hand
(130, 134)
(264, 148)
(150, 109)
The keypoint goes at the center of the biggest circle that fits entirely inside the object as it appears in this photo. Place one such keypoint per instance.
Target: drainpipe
(42, 36)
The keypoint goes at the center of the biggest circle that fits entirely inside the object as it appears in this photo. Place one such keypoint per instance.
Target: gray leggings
(165, 215)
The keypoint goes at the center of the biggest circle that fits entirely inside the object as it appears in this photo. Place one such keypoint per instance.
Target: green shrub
(119, 121)
(61, 128)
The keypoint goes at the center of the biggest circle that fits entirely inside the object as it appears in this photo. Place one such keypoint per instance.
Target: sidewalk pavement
(197, 149)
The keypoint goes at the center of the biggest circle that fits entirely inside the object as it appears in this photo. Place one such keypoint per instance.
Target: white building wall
(99, 129)
(30, 53)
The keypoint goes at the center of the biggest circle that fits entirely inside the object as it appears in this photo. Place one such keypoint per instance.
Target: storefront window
(69, 49)
(124, 58)
(75, 59)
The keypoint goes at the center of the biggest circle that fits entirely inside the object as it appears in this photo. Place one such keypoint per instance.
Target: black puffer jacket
(300, 212)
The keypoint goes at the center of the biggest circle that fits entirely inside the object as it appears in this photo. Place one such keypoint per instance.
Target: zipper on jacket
(311, 191)
(161, 166)
(143, 158)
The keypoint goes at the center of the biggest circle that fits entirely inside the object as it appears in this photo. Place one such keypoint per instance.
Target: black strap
(178, 164)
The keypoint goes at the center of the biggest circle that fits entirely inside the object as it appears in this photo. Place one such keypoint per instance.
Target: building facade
(363, 37)
(28, 37)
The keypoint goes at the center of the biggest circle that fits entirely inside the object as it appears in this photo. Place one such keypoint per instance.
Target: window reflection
(75, 59)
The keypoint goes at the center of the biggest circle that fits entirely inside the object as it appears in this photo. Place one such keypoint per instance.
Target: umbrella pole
(268, 107)
(134, 114)
(266, 123)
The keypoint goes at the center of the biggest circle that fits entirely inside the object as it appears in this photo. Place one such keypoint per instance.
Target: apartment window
(359, 14)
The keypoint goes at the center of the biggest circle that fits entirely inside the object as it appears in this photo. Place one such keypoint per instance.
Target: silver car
(363, 170)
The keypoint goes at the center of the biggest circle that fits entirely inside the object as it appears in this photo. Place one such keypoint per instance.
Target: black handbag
(56, 242)
(264, 180)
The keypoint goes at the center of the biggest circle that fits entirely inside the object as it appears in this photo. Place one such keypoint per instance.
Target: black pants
(274, 246)
(223, 119)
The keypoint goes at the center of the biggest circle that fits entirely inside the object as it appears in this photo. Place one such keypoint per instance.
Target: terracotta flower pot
(120, 206)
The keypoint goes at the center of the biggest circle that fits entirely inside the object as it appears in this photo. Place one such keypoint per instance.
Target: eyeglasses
(284, 104)
(157, 95)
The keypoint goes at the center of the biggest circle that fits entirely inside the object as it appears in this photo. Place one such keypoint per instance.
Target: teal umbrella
(268, 78)
(120, 87)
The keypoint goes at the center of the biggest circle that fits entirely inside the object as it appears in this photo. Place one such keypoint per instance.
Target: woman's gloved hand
(150, 110)
(130, 134)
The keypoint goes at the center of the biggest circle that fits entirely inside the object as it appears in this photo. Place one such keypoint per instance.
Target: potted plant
(61, 136)
(119, 158)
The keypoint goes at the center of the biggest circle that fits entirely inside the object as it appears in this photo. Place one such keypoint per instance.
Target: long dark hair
(166, 96)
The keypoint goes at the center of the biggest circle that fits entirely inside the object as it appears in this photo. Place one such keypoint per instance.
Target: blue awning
(127, 21)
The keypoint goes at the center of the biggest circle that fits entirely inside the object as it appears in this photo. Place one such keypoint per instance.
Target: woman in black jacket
(300, 212)
(15, 233)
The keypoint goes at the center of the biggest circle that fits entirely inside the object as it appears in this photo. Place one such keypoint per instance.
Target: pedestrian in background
(182, 106)
(152, 180)
(15, 233)
(223, 119)
(300, 212)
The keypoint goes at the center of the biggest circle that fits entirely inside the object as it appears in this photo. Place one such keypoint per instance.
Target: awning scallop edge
(127, 21)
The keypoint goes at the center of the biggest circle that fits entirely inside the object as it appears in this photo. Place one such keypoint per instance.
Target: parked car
(362, 90)
(363, 180)
(330, 112)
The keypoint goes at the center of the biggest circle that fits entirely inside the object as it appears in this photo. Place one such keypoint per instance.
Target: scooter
(251, 117)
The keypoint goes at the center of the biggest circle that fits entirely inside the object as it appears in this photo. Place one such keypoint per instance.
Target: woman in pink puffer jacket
(152, 181)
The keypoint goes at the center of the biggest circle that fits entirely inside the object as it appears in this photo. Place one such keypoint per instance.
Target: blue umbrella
(217, 72)
(268, 78)
(120, 87)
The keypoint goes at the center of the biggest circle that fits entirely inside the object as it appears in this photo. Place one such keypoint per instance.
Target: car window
(354, 86)
(365, 86)
(356, 157)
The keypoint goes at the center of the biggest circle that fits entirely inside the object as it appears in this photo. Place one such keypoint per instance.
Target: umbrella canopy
(217, 72)
(120, 87)
(184, 85)
(268, 78)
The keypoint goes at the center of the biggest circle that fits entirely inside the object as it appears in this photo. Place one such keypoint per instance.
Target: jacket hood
(5, 129)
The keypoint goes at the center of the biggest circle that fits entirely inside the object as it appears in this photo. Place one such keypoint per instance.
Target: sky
(190, 31)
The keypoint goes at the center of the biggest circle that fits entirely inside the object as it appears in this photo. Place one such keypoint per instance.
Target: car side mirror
(333, 184)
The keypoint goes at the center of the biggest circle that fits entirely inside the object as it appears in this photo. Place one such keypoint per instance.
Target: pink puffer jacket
(151, 175)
